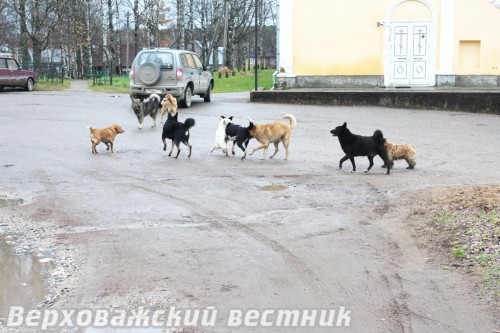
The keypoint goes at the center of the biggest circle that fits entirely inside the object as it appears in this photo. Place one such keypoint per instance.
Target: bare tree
(38, 20)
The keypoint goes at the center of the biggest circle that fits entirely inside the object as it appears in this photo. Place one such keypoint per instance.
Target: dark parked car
(12, 75)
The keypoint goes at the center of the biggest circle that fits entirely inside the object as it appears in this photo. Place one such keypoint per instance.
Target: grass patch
(461, 226)
(243, 81)
(121, 85)
(52, 85)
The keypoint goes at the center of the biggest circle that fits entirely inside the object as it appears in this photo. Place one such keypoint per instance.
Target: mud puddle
(21, 276)
(273, 188)
(22, 279)
(9, 202)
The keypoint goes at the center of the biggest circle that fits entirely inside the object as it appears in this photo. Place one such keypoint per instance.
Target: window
(190, 61)
(3, 64)
(184, 60)
(197, 62)
(12, 64)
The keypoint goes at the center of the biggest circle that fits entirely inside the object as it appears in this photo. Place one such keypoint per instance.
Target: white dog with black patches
(220, 135)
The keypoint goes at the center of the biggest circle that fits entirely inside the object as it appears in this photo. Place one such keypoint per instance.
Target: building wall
(477, 38)
(339, 37)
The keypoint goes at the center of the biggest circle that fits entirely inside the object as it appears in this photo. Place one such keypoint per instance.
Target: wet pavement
(137, 228)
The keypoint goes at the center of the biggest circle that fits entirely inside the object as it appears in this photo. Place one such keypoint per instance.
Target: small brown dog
(405, 152)
(106, 135)
(275, 132)
(168, 104)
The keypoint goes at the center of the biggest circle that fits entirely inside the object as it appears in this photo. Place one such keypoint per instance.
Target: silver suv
(166, 71)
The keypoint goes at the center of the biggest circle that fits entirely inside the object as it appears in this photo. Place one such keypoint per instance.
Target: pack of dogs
(353, 145)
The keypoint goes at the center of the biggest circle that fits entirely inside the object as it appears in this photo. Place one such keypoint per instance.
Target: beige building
(389, 43)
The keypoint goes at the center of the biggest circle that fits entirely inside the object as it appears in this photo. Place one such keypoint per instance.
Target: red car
(11, 75)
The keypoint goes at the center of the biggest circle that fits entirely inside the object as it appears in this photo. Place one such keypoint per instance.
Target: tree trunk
(181, 35)
(111, 45)
(137, 21)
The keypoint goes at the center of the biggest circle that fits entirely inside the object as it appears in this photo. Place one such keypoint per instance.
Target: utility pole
(255, 47)
(226, 19)
(127, 55)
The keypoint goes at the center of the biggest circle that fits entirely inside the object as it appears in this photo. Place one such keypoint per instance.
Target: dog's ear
(222, 117)
(345, 124)
(231, 118)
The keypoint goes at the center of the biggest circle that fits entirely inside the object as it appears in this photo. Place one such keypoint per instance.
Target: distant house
(390, 43)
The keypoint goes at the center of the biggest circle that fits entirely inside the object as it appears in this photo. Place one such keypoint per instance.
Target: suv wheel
(188, 95)
(208, 95)
(29, 85)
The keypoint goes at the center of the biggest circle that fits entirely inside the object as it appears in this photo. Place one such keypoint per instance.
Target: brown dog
(275, 132)
(169, 103)
(106, 135)
(405, 152)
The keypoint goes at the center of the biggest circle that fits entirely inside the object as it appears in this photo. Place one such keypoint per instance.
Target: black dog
(232, 131)
(177, 132)
(357, 145)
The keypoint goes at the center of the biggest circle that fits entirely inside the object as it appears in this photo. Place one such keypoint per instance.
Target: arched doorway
(410, 44)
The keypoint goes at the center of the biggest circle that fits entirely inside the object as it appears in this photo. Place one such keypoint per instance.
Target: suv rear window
(156, 57)
(3, 64)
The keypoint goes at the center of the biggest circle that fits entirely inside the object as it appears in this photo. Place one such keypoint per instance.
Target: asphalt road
(142, 229)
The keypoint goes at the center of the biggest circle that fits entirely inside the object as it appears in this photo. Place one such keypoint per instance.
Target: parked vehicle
(12, 75)
(166, 71)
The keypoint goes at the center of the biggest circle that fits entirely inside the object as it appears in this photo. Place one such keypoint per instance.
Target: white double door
(411, 57)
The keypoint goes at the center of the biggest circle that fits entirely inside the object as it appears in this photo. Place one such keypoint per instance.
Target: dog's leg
(178, 152)
(164, 144)
(213, 148)
(370, 158)
(411, 163)
(111, 146)
(94, 150)
(387, 162)
(342, 160)
(262, 146)
(276, 149)
(171, 148)
(286, 143)
(153, 115)
(189, 146)
(353, 163)
(232, 151)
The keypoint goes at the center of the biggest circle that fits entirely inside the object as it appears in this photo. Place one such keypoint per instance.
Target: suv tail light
(180, 73)
(132, 73)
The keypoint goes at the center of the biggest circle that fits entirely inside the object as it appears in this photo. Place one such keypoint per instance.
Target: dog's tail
(293, 120)
(91, 130)
(379, 137)
(155, 96)
(251, 124)
(188, 123)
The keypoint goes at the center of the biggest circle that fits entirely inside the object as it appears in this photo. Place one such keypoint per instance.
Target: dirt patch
(460, 226)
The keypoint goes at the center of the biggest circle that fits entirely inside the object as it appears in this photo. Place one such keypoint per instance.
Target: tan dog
(168, 104)
(405, 152)
(106, 135)
(275, 132)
